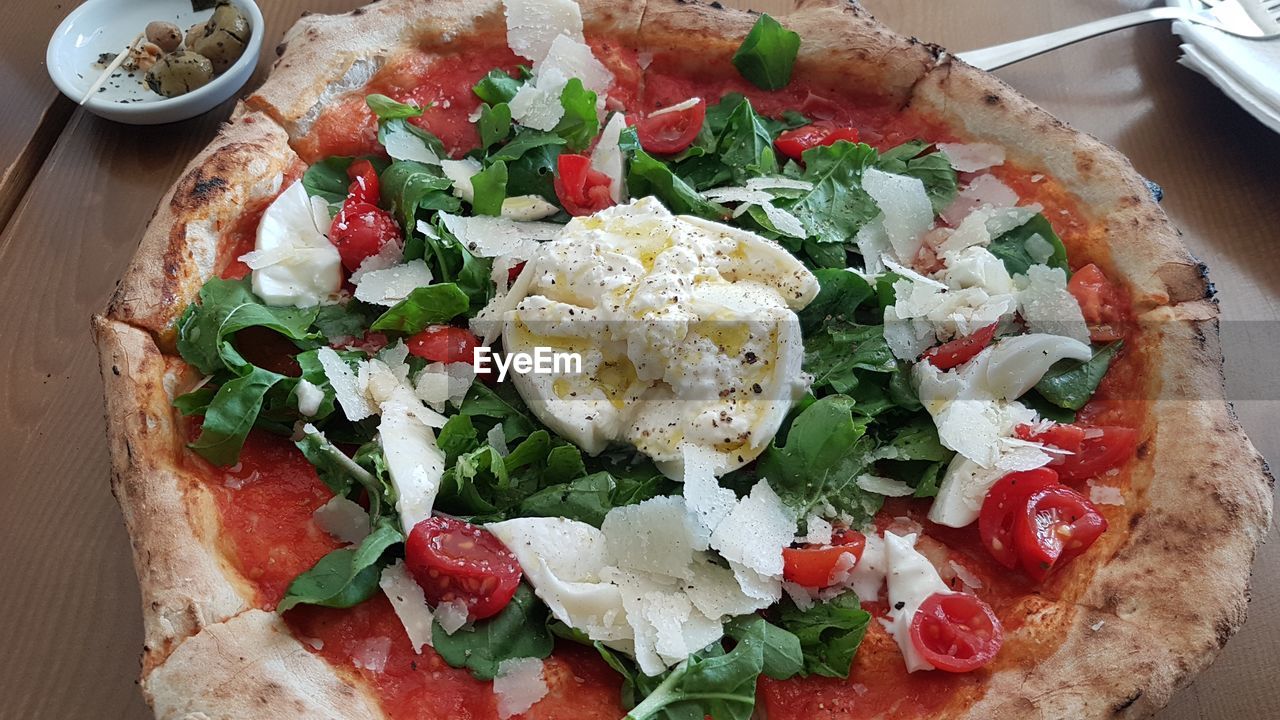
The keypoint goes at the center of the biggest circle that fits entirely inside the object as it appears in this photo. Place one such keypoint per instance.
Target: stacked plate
(1248, 71)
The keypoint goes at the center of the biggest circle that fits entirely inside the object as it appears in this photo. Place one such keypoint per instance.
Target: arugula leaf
(835, 356)
(345, 577)
(524, 141)
(519, 631)
(826, 449)
(451, 262)
(933, 169)
(649, 176)
(1070, 383)
(226, 307)
(344, 320)
(587, 499)
(341, 473)
(494, 124)
(497, 87)
(780, 650)
(837, 206)
(231, 415)
(490, 187)
(1013, 246)
(387, 109)
(839, 293)
(328, 180)
(745, 144)
(579, 125)
(767, 54)
(507, 408)
(829, 633)
(428, 305)
(408, 187)
(457, 437)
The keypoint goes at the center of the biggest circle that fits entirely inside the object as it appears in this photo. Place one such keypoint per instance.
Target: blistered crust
(182, 246)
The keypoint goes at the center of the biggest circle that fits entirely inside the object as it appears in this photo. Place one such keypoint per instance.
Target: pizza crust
(1171, 595)
(181, 248)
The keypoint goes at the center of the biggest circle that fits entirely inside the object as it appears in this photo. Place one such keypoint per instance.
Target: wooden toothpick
(111, 68)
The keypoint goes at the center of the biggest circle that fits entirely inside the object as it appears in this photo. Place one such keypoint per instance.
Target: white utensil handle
(997, 56)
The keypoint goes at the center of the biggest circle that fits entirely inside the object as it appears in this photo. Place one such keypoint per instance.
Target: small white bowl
(107, 26)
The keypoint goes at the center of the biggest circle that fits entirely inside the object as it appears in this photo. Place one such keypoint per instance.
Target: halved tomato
(956, 632)
(813, 565)
(455, 560)
(671, 131)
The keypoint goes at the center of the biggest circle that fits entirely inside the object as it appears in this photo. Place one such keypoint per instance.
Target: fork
(1255, 19)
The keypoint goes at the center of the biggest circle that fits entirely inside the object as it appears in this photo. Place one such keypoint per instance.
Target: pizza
(558, 359)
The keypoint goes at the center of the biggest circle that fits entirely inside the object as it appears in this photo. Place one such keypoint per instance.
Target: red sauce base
(266, 502)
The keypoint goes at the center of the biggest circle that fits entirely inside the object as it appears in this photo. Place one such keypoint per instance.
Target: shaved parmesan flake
(1105, 494)
(309, 397)
(527, 208)
(777, 182)
(755, 531)
(685, 105)
(497, 440)
(415, 463)
(459, 173)
(819, 532)
(607, 156)
(966, 576)
(518, 685)
(884, 486)
(390, 286)
(343, 519)
(532, 25)
(537, 103)
(451, 615)
(1048, 307)
(905, 206)
(983, 191)
(654, 536)
(409, 603)
(488, 236)
(371, 653)
(972, 157)
(402, 144)
(389, 255)
(346, 387)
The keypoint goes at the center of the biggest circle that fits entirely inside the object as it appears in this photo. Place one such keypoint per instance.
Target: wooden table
(76, 192)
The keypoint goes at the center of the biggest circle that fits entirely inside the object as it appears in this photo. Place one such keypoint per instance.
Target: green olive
(224, 38)
(193, 33)
(179, 73)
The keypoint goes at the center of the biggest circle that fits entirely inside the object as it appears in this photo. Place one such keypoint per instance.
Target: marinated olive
(225, 36)
(165, 34)
(179, 73)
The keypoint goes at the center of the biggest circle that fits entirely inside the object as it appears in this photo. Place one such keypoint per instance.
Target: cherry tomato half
(1094, 449)
(670, 132)
(1004, 503)
(812, 565)
(444, 343)
(455, 560)
(956, 632)
(793, 143)
(1100, 301)
(581, 190)
(359, 231)
(961, 350)
(365, 186)
(1056, 525)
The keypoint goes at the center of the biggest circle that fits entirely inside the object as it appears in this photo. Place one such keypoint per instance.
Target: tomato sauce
(266, 501)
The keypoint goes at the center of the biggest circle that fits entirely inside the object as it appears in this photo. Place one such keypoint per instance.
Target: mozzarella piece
(869, 573)
(911, 580)
(310, 397)
(293, 263)
(1047, 305)
(607, 158)
(343, 519)
(1017, 363)
(415, 463)
(905, 206)
(962, 491)
(518, 685)
(685, 328)
(390, 286)
(532, 25)
(409, 603)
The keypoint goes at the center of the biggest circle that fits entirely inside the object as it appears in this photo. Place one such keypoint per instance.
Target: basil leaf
(826, 449)
(490, 188)
(519, 631)
(1046, 409)
(834, 209)
(649, 176)
(494, 124)
(387, 109)
(408, 187)
(781, 653)
(1018, 247)
(828, 633)
(1070, 383)
(745, 144)
(933, 169)
(579, 125)
(345, 577)
(225, 307)
(767, 54)
(429, 305)
(497, 87)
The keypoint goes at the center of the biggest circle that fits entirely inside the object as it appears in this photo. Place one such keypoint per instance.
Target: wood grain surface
(71, 633)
